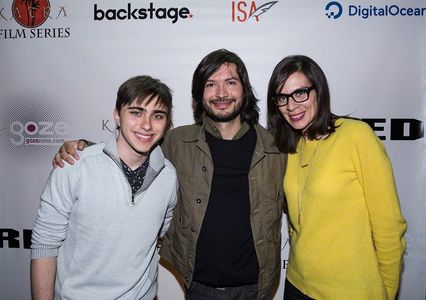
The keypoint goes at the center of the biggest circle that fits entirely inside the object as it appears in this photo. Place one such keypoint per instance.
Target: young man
(97, 227)
(225, 236)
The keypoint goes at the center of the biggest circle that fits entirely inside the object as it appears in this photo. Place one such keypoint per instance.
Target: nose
(291, 104)
(146, 122)
(222, 91)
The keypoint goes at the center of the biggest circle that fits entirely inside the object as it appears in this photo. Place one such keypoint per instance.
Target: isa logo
(242, 11)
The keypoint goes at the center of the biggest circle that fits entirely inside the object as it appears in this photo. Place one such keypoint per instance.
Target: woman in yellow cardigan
(346, 228)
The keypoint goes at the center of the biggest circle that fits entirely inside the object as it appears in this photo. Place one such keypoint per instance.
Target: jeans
(199, 291)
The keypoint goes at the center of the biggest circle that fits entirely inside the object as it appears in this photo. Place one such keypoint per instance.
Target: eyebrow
(155, 111)
(227, 79)
(295, 91)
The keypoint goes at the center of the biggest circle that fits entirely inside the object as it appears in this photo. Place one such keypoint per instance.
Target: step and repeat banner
(61, 63)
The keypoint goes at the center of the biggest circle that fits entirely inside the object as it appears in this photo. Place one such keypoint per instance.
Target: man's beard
(223, 117)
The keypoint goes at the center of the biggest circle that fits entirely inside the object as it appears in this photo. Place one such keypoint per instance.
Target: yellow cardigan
(346, 227)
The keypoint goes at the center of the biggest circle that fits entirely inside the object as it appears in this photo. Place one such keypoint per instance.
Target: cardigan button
(204, 169)
(198, 200)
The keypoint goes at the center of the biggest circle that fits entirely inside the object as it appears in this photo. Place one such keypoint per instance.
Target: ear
(116, 115)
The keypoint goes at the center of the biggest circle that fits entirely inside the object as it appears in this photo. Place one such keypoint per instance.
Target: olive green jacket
(187, 149)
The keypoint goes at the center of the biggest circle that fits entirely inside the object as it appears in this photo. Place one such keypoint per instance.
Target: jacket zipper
(132, 197)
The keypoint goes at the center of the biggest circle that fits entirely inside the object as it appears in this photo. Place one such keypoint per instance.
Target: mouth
(144, 137)
(222, 103)
(297, 117)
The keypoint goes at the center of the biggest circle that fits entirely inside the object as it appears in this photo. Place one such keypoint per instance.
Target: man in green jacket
(225, 236)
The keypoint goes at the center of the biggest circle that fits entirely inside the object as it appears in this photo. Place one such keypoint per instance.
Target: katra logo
(30, 13)
(242, 11)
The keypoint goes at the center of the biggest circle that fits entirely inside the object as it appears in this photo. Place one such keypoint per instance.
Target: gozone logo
(38, 133)
(242, 11)
(32, 126)
(131, 13)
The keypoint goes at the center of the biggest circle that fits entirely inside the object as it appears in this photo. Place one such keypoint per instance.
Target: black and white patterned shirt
(135, 177)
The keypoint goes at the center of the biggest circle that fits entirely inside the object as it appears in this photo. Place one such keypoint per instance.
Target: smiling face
(141, 125)
(223, 94)
(299, 115)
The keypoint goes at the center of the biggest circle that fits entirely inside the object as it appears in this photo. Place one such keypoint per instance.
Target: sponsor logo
(31, 126)
(11, 237)
(30, 13)
(108, 125)
(242, 11)
(285, 249)
(335, 10)
(36, 19)
(396, 129)
(130, 12)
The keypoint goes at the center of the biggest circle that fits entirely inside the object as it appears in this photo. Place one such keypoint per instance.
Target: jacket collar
(209, 126)
(156, 159)
(264, 144)
(264, 141)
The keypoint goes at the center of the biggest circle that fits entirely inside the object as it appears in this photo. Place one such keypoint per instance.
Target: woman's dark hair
(286, 137)
(210, 64)
(142, 88)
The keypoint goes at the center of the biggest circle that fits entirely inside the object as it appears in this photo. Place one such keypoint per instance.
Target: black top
(225, 254)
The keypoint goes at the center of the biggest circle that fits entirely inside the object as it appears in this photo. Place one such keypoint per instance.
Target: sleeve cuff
(37, 253)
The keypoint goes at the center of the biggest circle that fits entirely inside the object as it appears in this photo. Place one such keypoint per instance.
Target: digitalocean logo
(333, 10)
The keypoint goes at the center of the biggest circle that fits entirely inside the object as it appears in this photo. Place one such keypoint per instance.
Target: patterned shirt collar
(135, 177)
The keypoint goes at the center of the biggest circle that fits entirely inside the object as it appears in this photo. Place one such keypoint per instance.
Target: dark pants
(199, 291)
(292, 293)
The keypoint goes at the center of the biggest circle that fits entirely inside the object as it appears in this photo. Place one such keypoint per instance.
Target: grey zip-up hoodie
(105, 243)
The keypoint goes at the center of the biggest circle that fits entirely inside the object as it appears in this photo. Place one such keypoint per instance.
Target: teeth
(143, 136)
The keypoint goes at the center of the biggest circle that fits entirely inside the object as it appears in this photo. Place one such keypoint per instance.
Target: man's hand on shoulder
(68, 152)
